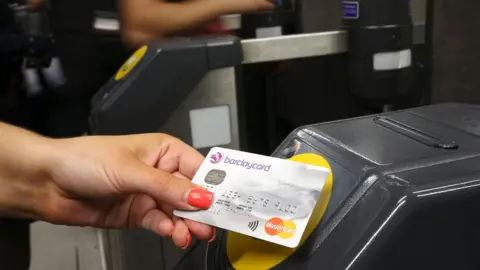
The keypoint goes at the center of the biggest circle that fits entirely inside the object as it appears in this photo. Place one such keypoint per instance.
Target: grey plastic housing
(406, 194)
(161, 80)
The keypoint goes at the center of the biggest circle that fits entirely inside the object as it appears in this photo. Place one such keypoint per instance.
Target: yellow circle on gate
(131, 63)
(247, 253)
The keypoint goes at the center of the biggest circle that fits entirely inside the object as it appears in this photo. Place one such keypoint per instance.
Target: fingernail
(200, 198)
(189, 241)
(214, 236)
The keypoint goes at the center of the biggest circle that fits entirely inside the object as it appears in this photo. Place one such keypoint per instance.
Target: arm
(102, 181)
(143, 20)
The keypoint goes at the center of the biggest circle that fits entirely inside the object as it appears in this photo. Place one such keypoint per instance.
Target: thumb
(164, 187)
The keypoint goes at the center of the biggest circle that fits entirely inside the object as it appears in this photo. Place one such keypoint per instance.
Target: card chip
(215, 177)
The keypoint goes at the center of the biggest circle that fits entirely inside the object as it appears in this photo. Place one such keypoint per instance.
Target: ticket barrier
(191, 88)
(403, 194)
(198, 90)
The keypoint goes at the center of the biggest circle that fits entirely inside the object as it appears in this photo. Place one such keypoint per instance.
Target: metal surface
(112, 252)
(56, 247)
(217, 88)
(276, 48)
(294, 46)
(304, 45)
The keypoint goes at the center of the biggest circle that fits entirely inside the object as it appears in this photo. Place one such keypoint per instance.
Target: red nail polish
(200, 198)
(189, 241)
(214, 236)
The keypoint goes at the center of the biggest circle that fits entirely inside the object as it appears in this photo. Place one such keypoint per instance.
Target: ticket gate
(206, 92)
(205, 105)
(192, 89)
(403, 194)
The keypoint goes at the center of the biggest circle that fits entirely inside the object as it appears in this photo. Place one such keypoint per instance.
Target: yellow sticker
(247, 253)
(130, 63)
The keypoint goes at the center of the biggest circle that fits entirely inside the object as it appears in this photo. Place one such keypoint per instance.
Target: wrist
(24, 172)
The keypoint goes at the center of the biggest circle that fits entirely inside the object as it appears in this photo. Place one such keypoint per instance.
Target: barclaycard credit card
(263, 197)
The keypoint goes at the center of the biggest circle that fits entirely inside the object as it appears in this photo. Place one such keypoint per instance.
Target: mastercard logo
(282, 228)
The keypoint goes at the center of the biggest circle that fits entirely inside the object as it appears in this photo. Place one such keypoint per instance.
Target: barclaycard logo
(218, 157)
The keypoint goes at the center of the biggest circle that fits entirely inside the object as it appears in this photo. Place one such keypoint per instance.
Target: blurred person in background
(146, 20)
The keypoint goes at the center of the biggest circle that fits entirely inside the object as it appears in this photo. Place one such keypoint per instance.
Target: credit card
(263, 197)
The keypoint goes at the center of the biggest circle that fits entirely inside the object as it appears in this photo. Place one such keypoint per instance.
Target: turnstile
(198, 75)
(191, 89)
(404, 193)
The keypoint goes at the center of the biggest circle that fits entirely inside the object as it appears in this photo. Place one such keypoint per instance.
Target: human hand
(125, 182)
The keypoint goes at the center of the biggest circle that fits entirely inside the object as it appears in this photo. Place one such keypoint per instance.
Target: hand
(126, 181)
